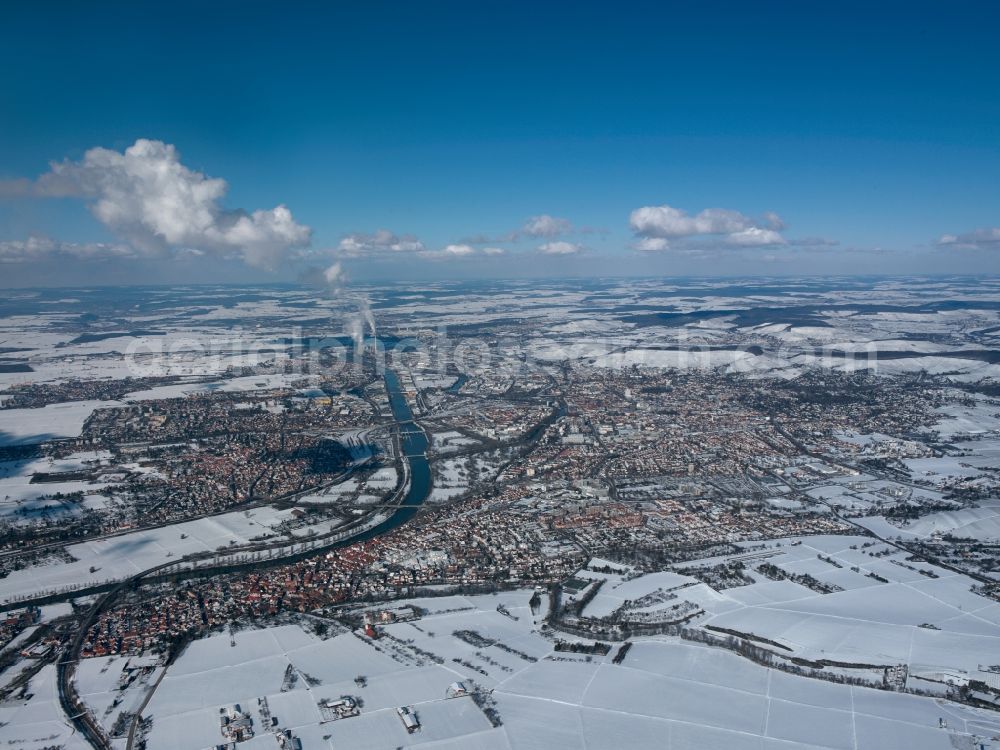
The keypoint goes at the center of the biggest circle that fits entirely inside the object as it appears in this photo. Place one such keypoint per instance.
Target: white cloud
(559, 248)
(542, 226)
(656, 226)
(668, 222)
(773, 221)
(755, 237)
(651, 244)
(384, 243)
(450, 252)
(149, 199)
(546, 226)
(40, 248)
(381, 240)
(457, 251)
(977, 239)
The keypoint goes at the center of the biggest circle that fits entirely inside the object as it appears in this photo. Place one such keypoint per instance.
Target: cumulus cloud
(656, 226)
(546, 226)
(459, 251)
(385, 244)
(381, 241)
(651, 244)
(157, 205)
(559, 248)
(773, 221)
(669, 222)
(978, 239)
(40, 248)
(448, 252)
(753, 236)
(543, 226)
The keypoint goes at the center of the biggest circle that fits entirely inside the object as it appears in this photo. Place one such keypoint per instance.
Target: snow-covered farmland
(665, 693)
(124, 555)
(21, 426)
(891, 610)
(36, 721)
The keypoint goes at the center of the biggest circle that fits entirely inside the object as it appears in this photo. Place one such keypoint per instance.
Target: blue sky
(870, 129)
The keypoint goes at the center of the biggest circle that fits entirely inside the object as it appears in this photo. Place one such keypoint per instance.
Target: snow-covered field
(38, 723)
(22, 500)
(929, 623)
(125, 555)
(667, 693)
(357, 490)
(212, 674)
(21, 426)
(105, 686)
(981, 523)
(450, 441)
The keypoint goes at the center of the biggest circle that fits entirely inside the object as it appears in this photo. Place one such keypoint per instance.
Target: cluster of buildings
(15, 622)
(203, 415)
(556, 460)
(518, 534)
(632, 461)
(169, 460)
(38, 395)
(500, 421)
(344, 707)
(235, 724)
(473, 545)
